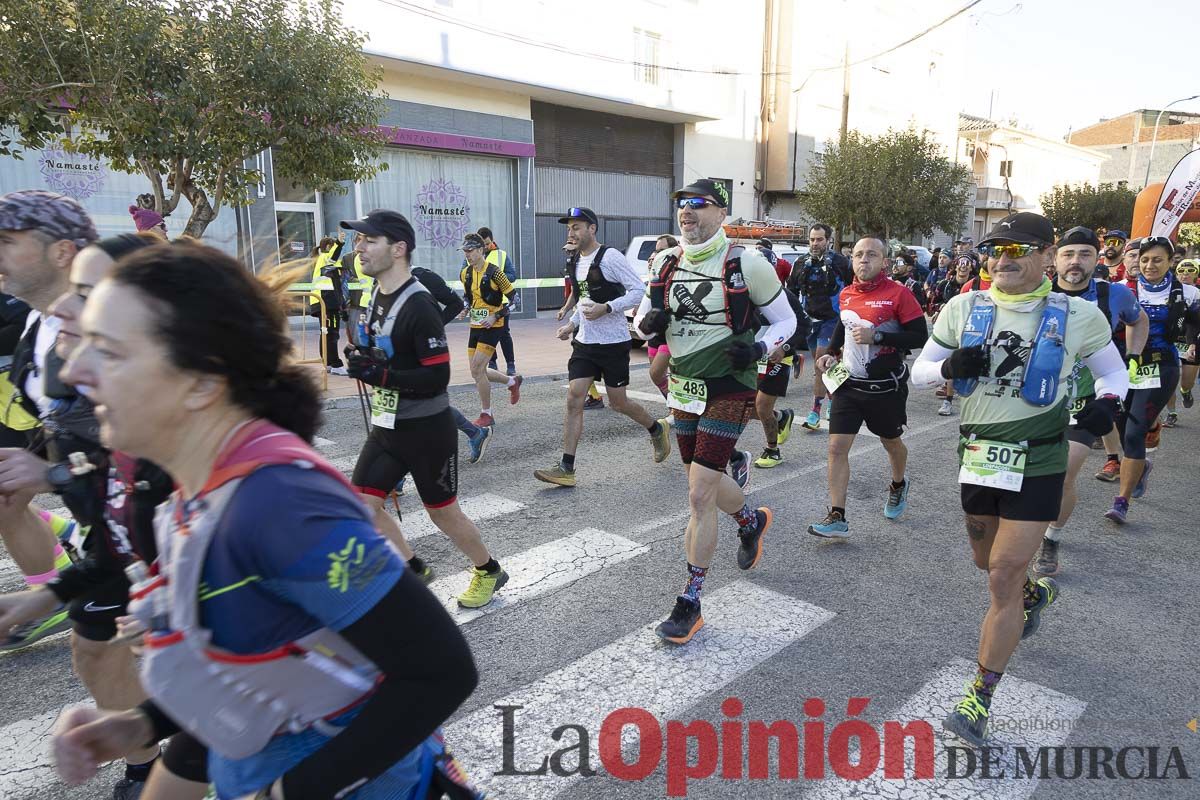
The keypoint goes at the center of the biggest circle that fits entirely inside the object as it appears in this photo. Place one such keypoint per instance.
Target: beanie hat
(145, 218)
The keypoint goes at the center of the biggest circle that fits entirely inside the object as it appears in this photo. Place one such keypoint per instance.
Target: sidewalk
(540, 354)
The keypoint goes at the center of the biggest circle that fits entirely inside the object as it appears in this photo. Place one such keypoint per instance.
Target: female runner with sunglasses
(1187, 272)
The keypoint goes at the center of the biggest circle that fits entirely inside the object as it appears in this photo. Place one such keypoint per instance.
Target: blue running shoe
(478, 445)
(1140, 488)
(812, 421)
(739, 467)
(897, 500)
(834, 526)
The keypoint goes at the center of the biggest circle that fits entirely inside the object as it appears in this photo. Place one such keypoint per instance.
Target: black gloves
(655, 322)
(965, 362)
(365, 369)
(1097, 417)
(742, 355)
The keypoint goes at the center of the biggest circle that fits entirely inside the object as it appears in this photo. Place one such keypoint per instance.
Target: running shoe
(1188, 399)
(1172, 420)
(1153, 437)
(1110, 472)
(593, 403)
(483, 586)
(1140, 489)
(426, 574)
(1047, 589)
(684, 622)
(812, 421)
(769, 458)
(785, 425)
(342, 371)
(897, 500)
(556, 475)
(834, 526)
(34, 631)
(485, 421)
(739, 468)
(968, 720)
(947, 409)
(514, 390)
(511, 370)
(662, 441)
(750, 548)
(478, 445)
(1047, 560)
(1119, 510)
(128, 789)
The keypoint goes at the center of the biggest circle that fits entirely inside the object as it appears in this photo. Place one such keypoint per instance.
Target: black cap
(382, 222)
(706, 187)
(1080, 235)
(1133, 244)
(1122, 235)
(585, 214)
(1024, 227)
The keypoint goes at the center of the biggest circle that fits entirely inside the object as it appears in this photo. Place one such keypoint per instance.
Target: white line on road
(1024, 715)
(541, 570)
(321, 442)
(745, 625)
(479, 508)
(632, 393)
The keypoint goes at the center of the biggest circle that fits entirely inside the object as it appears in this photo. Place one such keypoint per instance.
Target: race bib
(1074, 408)
(997, 465)
(1146, 376)
(835, 376)
(383, 408)
(687, 394)
(477, 316)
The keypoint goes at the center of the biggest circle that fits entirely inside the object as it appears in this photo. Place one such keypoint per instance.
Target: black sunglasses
(693, 202)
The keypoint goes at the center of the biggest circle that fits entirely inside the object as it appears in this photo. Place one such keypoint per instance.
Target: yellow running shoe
(556, 475)
(662, 441)
(483, 585)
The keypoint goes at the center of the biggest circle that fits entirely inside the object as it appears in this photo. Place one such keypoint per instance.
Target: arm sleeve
(447, 298)
(616, 268)
(927, 369)
(781, 321)
(1109, 371)
(912, 334)
(429, 673)
(642, 310)
(502, 283)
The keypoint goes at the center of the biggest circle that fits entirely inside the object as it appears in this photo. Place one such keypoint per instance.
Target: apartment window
(646, 46)
(970, 148)
(1006, 169)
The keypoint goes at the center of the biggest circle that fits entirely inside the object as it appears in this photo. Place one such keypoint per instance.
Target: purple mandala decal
(441, 213)
(73, 174)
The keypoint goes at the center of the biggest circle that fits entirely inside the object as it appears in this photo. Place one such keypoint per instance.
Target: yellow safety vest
(12, 414)
(366, 282)
(320, 282)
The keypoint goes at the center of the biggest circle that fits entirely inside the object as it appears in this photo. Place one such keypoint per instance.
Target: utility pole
(845, 94)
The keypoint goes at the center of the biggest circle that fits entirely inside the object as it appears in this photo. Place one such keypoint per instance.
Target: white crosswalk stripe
(479, 509)
(633, 394)
(542, 570)
(1025, 715)
(744, 626)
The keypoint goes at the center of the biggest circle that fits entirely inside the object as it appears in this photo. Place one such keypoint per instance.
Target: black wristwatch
(60, 477)
(878, 337)
(785, 347)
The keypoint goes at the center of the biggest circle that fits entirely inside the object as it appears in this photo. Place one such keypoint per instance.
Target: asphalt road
(891, 615)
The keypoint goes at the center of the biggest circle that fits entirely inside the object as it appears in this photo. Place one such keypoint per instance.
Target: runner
(1013, 455)
(487, 289)
(1154, 371)
(606, 286)
(503, 261)
(704, 303)
(595, 400)
(1187, 273)
(866, 373)
(774, 370)
(40, 234)
(1128, 271)
(817, 279)
(287, 555)
(412, 429)
(1075, 260)
(961, 272)
(1109, 267)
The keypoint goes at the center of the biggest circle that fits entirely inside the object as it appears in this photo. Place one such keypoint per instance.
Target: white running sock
(1053, 533)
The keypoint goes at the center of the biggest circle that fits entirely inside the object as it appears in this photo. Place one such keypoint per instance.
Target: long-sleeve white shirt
(612, 327)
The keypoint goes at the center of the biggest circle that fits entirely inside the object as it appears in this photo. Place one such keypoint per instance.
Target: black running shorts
(94, 616)
(425, 448)
(885, 413)
(484, 339)
(775, 380)
(1039, 500)
(609, 362)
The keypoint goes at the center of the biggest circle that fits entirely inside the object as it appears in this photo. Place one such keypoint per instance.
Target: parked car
(639, 253)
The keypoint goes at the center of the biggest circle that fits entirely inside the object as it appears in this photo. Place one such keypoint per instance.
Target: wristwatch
(878, 337)
(785, 347)
(60, 477)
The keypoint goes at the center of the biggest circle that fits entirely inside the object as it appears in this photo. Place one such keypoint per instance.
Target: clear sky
(1063, 64)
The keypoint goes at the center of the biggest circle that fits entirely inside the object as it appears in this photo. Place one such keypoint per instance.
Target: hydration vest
(600, 289)
(816, 286)
(1173, 330)
(1039, 386)
(381, 336)
(1102, 293)
(739, 311)
(234, 703)
(487, 292)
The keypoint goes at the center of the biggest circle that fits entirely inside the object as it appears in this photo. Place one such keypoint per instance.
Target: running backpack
(739, 311)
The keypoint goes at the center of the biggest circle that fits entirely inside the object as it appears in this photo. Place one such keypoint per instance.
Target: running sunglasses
(1188, 267)
(693, 202)
(1012, 249)
(1113, 242)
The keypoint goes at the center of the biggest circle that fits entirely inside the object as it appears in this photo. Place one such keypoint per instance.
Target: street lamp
(1154, 139)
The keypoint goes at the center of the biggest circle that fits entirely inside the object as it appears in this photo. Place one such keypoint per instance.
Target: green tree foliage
(1189, 236)
(898, 185)
(185, 91)
(1106, 206)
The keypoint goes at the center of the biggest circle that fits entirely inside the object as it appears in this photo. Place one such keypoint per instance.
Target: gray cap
(53, 214)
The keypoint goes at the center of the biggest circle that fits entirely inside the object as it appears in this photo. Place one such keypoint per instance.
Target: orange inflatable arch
(1145, 206)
